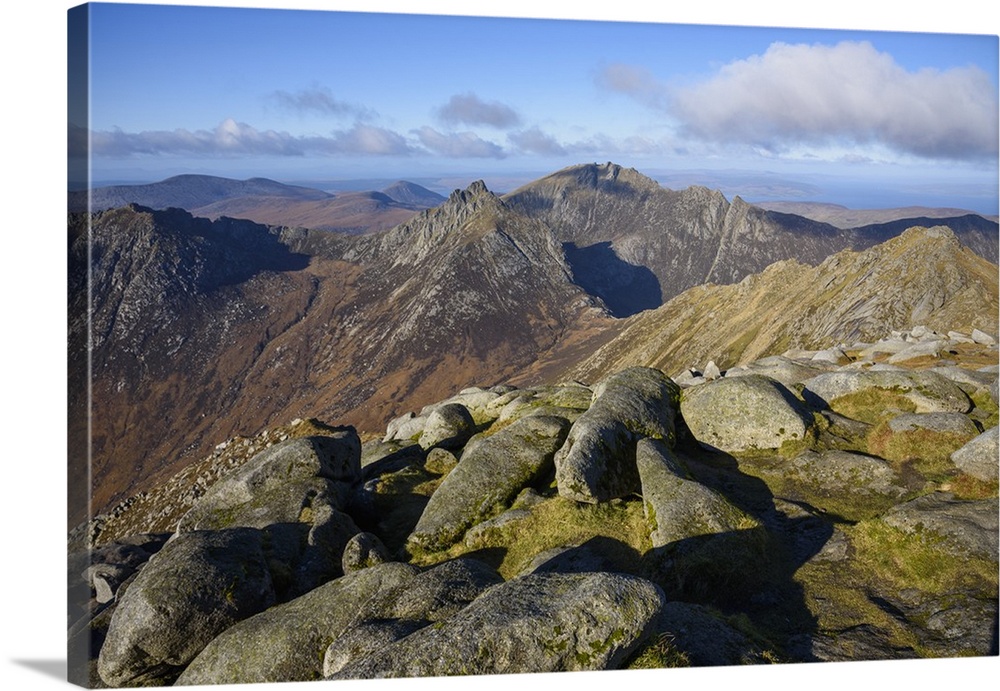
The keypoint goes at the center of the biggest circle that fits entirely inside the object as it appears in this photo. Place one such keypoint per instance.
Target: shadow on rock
(746, 574)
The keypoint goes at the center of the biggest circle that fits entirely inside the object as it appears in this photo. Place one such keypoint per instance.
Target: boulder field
(813, 506)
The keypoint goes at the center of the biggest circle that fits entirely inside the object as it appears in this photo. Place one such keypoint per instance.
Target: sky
(859, 117)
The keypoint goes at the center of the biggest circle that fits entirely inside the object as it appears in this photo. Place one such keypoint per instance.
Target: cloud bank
(232, 138)
(458, 145)
(848, 93)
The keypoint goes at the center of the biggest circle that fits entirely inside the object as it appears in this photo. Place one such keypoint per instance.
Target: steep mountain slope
(636, 244)
(188, 192)
(923, 277)
(203, 330)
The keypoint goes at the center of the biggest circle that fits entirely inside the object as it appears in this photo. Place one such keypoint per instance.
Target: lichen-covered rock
(850, 485)
(431, 596)
(193, 589)
(274, 486)
(365, 639)
(927, 392)
(406, 427)
(488, 477)
(963, 526)
(744, 413)
(942, 423)
(362, 551)
(782, 369)
(478, 402)
(565, 400)
(597, 462)
(287, 642)
(379, 457)
(435, 593)
(535, 623)
(980, 457)
(440, 461)
(971, 381)
(295, 491)
(677, 506)
(448, 426)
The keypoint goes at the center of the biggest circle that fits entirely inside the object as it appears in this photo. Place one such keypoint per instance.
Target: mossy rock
(924, 441)
(287, 642)
(545, 622)
(847, 485)
(597, 463)
(863, 395)
(488, 477)
(746, 413)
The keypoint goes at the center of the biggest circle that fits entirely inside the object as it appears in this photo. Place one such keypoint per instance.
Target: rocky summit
(827, 509)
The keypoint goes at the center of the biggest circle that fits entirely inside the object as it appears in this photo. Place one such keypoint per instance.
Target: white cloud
(365, 139)
(232, 138)
(634, 81)
(847, 93)
(469, 109)
(458, 145)
(534, 141)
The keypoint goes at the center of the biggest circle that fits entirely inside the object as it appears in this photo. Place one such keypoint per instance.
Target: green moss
(989, 414)
(661, 652)
(893, 563)
(901, 560)
(926, 451)
(559, 522)
(871, 405)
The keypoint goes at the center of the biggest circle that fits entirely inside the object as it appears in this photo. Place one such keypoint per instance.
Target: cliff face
(215, 328)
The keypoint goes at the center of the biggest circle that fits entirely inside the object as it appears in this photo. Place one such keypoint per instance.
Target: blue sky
(863, 118)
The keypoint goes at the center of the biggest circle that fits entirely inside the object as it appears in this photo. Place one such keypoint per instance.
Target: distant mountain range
(204, 329)
(843, 217)
(269, 202)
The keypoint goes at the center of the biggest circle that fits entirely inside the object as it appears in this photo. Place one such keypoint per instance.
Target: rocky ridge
(637, 244)
(923, 276)
(806, 507)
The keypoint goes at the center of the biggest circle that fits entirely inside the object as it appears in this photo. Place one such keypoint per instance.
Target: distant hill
(843, 217)
(188, 192)
(413, 194)
(269, 202)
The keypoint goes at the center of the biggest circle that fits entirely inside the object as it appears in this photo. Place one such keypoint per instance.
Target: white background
(33, 337)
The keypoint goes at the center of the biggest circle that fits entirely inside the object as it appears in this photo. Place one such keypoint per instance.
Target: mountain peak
(477, 190)
(923, 234)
